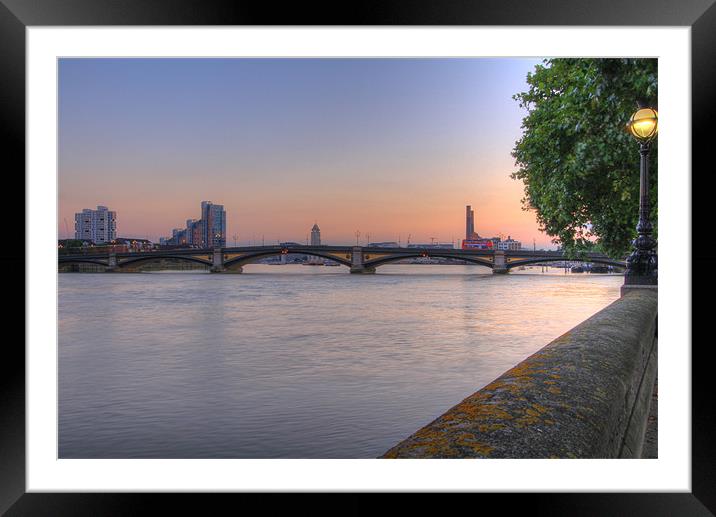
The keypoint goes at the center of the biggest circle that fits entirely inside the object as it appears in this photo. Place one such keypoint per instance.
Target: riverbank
(585, 395)
(651, 437)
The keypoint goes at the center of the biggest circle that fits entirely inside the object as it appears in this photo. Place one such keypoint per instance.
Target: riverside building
(97, 226)
(207, 232)
(509, 245)
(213, 225)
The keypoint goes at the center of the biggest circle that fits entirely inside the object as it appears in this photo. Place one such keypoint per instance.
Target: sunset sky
(389, 147)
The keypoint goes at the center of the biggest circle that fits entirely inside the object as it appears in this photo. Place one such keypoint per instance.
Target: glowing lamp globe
(644, 124)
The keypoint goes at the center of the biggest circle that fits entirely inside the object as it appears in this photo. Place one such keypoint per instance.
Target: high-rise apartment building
(213, 225)
(194, 232)
(97, 226)
(315, 235)
(207, 232)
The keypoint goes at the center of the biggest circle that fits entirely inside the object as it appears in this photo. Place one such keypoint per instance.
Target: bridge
(360, 259)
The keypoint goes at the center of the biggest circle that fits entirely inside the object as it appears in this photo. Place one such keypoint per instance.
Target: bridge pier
(217, 261)
(499, 266)
(362, 270)
(111, 263)
(357, 264)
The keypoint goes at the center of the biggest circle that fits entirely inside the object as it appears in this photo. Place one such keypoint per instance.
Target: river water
(293, 361)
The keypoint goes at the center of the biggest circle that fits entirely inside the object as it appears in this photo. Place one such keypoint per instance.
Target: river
(293, 361)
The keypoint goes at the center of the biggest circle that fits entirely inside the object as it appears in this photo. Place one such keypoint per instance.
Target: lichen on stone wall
(569, 400)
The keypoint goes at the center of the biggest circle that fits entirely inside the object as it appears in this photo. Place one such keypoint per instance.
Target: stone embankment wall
(584, 395)
(154, 265)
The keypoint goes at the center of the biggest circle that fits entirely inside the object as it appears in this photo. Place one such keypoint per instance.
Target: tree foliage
(579, 165)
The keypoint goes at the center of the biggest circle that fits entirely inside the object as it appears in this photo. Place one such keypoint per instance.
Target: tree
(70, 243)
(579, 165)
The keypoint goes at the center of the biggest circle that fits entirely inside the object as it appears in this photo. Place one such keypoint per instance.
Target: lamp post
(642, 263)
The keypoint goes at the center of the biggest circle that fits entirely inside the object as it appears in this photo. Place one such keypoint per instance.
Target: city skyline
(197, 234)
(388, 147)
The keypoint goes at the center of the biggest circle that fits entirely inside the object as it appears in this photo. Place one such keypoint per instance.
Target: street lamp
(642, 263)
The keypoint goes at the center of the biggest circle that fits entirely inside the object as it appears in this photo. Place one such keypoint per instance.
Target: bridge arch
(605, 261)
(395, 258)
(253, 257)
(154, 258)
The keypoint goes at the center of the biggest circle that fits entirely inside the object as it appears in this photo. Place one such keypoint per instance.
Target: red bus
(477, 244)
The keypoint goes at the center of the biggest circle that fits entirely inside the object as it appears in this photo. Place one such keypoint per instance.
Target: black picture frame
(699, 15)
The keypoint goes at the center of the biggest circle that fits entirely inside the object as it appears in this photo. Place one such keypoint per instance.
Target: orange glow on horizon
(424, 210)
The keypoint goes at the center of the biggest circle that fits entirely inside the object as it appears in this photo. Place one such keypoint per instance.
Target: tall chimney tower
(469, 222)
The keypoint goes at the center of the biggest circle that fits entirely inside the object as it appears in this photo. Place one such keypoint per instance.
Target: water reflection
(293, 361)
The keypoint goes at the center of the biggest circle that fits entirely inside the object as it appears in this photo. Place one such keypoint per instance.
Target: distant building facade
(188, 231)
(135, 244)
(213, 220)
(474, 241)
(207, 232)
(196, 232)
(509, 245)
(470, 224)
(315, 235)
(97, 226)
(434, 245)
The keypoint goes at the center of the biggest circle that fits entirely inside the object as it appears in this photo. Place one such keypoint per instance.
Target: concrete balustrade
(584, 395)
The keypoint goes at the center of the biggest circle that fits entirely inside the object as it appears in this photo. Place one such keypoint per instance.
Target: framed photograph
(482, 186)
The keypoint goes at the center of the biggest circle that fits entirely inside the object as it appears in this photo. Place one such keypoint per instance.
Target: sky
(388, 147)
